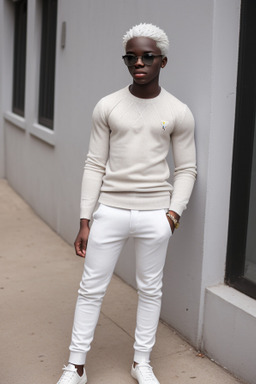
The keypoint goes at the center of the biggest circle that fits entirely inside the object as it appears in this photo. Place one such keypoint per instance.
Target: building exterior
(58, 58)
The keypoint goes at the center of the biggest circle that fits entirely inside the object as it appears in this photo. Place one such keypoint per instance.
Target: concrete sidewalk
(39, 280)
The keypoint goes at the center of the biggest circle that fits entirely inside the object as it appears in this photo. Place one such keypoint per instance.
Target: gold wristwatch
(175, 221)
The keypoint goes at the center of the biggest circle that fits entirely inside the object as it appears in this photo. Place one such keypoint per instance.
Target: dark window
(47, 65)
(241, 252)
(19, 61)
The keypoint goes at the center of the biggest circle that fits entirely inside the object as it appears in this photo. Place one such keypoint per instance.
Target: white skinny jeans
(110, 230)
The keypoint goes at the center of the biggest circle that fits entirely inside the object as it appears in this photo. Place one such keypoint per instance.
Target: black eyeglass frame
(143, 58)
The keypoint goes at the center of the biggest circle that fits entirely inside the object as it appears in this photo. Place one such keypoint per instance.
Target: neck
(145, 91)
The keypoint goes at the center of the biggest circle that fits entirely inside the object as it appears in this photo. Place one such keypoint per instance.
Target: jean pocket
(96, 214)
(168, 223)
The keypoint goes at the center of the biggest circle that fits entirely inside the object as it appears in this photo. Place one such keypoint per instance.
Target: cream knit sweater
(126, 164)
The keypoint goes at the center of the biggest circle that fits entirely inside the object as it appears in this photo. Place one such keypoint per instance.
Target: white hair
(151, 31)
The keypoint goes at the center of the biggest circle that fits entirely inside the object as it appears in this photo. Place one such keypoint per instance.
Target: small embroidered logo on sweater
(164, 124)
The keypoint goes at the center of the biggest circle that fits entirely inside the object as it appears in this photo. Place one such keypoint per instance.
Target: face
(141, 73)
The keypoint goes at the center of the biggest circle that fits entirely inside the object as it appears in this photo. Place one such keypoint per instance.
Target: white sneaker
(143, 373)
(70, 376)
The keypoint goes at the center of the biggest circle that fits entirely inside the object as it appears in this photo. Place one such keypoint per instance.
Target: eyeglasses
(147, 59)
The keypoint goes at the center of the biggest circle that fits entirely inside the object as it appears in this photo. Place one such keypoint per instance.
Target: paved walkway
(39, 280)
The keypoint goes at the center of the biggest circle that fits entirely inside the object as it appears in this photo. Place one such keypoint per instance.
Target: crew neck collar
(142, 98)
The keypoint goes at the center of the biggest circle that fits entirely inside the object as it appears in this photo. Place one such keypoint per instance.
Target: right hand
(82, 238)
(177, 217)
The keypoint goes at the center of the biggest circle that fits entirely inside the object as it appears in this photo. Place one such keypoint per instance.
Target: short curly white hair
(151, 31)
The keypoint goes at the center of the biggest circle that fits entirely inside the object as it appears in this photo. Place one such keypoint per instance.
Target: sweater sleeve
(184, 157)
(95, 164)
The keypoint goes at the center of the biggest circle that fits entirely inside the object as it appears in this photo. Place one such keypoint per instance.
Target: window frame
(47, 63)
(242, 153)
(19, 57)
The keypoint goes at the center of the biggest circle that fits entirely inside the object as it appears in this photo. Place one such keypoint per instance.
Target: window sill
(235, 298)
(16, 120)
(43, 133)
(229, 330)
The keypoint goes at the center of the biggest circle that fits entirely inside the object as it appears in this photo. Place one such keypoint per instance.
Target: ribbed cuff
(176, 208)
(77, 358)
(141, 357)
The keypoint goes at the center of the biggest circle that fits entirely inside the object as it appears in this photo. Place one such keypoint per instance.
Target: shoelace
(147, 372)
(67, 375)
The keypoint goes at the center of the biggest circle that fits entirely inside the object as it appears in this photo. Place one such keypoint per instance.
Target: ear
(164, 62)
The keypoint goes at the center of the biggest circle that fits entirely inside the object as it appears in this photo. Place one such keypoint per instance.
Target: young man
(126, 172)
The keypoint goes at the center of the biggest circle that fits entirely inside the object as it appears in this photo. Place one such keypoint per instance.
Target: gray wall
(2, 164)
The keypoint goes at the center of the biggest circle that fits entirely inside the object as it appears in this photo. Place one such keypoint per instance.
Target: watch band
(175, 221)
